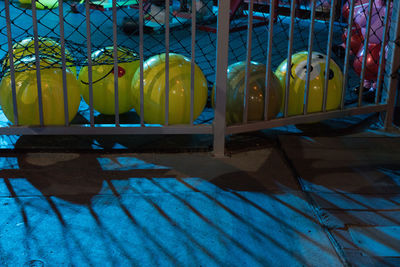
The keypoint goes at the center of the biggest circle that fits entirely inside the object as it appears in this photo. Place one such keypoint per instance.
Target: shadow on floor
(157, 209)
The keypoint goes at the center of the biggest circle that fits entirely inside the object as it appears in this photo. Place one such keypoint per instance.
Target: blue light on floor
(126, 163)
(378, 241)
(9, 163)
(118, 146)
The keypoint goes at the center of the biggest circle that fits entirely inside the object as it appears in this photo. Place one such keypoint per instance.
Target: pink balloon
(377, 25)
(361, 13)
(346, 7)
(361, 10)
(379, 3)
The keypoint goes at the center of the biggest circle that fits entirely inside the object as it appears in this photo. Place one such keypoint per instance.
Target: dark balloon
(235, 93)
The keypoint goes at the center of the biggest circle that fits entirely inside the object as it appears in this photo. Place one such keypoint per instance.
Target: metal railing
(218, 128)
(393, 65)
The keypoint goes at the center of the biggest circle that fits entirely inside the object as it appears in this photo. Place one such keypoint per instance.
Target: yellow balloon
(179, 90)
(317, 83)
(27, 92)
(103, 80)
(42, 4)
(47, 47)
(256, 98)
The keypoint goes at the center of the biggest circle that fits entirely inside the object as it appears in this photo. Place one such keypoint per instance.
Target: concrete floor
(299, 198)
(157, 210)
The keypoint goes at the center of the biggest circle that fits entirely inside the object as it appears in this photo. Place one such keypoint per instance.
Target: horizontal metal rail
(106, 130)
(309, 118)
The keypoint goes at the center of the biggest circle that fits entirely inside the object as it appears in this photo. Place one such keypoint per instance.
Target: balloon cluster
(359, 34)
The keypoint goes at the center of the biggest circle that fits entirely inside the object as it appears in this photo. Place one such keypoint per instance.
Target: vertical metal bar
(63, 61)
(11, 59)
(115, 55)
(269, 57)
(141, 59)
(89, 58)
(329, 55)
(248, 63)
(166, 62)
(37, 59)
(364, 61)
(309, 57)
(382, 57)
(347, 53)
(394, 69)
(221, 77)
(192, 62)
(289, 60)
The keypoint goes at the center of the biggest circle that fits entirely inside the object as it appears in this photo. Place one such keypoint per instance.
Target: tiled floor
(355, 183)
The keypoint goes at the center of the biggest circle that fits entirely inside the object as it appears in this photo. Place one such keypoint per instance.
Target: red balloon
(372, 61)
(357, 39)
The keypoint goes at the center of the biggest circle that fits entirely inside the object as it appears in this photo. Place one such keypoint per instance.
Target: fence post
(394, 46)
(219, 124)
(396, 116)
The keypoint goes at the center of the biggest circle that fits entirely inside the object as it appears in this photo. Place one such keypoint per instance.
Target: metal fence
(386, 82)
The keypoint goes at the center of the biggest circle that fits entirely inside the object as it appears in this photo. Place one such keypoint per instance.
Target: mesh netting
(101, 31)
(320, 34)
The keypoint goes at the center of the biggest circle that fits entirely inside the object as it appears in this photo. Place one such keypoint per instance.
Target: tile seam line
(314, 206)
(363, 194)
(361, 210)
(101, 195)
